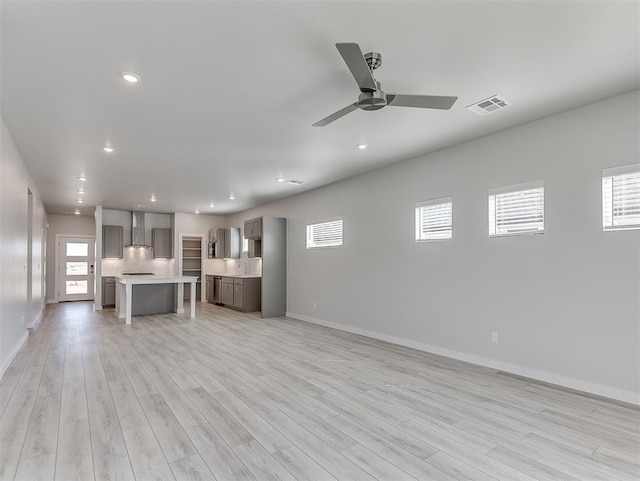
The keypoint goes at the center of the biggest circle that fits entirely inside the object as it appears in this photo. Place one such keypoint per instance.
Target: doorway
(75, 268)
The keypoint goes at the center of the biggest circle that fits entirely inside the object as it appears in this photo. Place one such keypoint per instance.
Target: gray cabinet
(224, 243)
(255, 248)
(108, 291)
(112, 241)
(238, 294)
(274, 266)
(241, 293)
(161, 243)
(253, 228)
(227, 291)
(232, 243)
(210, 289)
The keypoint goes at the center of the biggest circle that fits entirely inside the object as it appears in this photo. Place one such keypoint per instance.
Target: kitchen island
(137, 295)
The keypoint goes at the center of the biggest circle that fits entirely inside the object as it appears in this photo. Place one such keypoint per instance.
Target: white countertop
(155, 279)
(237, 276)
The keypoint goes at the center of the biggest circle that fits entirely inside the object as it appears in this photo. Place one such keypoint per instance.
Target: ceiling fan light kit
(372, 97)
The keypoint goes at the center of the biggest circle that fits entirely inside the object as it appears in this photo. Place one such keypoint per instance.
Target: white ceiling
(230, 89)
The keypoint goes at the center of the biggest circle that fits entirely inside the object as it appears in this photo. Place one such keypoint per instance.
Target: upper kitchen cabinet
(224, 243)
(253, 228)
(232, 243)
(112, 241)
(161, 243)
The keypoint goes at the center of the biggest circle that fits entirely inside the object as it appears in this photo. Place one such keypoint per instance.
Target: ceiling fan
(372, 97)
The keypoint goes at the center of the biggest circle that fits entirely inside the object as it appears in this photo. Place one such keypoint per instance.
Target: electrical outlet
(494, 337)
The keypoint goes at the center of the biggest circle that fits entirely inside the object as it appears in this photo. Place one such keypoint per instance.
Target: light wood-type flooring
(229, 396)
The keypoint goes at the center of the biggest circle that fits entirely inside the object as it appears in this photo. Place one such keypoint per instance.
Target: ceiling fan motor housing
(372, 100)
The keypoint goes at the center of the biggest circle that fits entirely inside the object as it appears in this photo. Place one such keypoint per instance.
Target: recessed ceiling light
(130, 77)
(153, 198)
(108, 149)
(231, 197)
(80, 191)
(362, 146)
(211, 206)
(76, 212)
(79, 201)
(197, 211)
(82, 178)
(280, 179)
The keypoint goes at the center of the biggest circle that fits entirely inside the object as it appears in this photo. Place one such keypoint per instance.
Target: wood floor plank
(231, 396)
(261, 463)
(128, 409)
(191, 468)
(332, 461)
(40, 468)
(172, 438)
(232, 432)
(301, 466)
(220, 459)
(74, 459)
(147, 458)
(376, 466)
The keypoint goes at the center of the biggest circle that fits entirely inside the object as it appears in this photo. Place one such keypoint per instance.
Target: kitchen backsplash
(136, 259)
(243, 267)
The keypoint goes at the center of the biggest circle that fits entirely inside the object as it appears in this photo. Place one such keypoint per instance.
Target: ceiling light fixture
(362, 146)
(76, 212)
(280, 179)
(80, 191)
(197, 211)
(153, 198)
(211, 206)
(79, 201)
(82, 178)
(231, 197)
(130, 77)
(108, 149)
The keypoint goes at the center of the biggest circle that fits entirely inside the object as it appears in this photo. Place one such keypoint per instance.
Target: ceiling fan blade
(423, 101)
(336, 115)
(354, 59)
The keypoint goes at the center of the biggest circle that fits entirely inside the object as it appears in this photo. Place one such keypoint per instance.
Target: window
(434, 219)
(621, 197)
(324, 234)
(517, 209)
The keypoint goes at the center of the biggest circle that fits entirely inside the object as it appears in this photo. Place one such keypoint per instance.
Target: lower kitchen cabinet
(108, 291)
(242, 293)
(227, 291)
(210, 288)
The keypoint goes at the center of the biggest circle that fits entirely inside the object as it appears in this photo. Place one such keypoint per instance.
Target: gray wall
(565, 303)
(69, 225)
(17, 311)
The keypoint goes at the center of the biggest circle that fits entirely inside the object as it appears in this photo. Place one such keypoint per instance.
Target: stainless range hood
(137, 230)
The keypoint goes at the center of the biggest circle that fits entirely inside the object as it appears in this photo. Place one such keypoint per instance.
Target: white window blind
(516, 210)
(621, 199)
(434, 219)
(324, 234)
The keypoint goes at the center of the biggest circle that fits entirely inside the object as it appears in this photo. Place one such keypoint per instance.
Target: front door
(75, 269)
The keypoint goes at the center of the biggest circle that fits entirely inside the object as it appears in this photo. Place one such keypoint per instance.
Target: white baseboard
(36, 321)
(569, 382)
(5, 365)
(52, 301)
